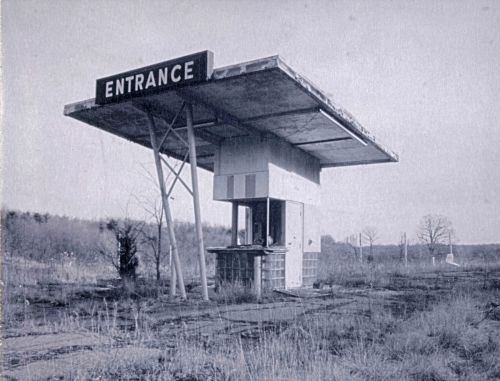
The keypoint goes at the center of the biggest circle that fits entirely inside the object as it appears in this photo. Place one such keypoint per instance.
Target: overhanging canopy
(259, 97)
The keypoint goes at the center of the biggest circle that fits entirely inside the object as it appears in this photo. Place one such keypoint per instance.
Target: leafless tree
(370, 234)
(154, 208)
(434, 230)
(352, 242)
(154, 239)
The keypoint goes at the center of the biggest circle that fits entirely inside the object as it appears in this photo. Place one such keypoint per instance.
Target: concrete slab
(266, 315)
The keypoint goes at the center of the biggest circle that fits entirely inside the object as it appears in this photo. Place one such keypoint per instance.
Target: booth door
(294, 217)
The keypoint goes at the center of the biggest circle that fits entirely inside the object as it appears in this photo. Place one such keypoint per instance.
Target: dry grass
(234, 293)
(442, 343)
(446, 337)
(23, 271)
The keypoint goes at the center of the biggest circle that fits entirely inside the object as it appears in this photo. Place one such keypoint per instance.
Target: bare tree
(370, 234)
(154, 208)
(154, 239)
(352, 242)
(434, 230)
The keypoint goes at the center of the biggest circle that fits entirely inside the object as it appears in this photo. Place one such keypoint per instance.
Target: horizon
(216, 225)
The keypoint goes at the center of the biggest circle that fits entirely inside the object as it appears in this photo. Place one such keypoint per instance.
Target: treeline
(48, 238)
(417, 253)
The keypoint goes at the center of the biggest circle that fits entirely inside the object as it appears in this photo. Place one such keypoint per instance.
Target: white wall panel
(312, 228)
(287, 185)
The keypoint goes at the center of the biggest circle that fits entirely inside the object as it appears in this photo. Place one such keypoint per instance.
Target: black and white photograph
(250, 190)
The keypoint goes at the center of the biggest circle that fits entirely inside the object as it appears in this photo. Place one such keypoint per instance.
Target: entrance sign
(178, 72)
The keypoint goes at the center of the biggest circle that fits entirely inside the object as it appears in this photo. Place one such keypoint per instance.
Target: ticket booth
(277, 185)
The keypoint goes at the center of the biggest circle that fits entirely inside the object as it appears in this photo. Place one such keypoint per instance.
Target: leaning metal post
(196, 199)
(166, 208)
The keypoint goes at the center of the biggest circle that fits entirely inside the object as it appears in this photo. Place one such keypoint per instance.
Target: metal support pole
(173, 276)
(257, 260)
(248, 226)
(166, 208)
(267, 221)
(234, 225)
(196, 199)
(257, 275)
(177, 176)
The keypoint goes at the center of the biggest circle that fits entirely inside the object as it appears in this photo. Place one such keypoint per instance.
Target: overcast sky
(422, 76)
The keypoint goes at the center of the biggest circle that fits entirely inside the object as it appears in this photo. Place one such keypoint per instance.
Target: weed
(234, 293)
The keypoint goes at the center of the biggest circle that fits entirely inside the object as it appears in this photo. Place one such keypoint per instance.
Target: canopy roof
(264, 96)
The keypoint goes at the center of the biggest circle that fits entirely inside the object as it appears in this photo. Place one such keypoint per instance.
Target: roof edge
(87, 104)
(335, 111)
(246, 67)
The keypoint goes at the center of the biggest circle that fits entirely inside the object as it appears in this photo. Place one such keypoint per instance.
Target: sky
(422, 76)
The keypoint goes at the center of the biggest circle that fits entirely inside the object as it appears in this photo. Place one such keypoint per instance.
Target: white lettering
(188, 70)
(129, 83)
(151, 80)
(139, 79)
(109, 89)
(162, 76)
(120, 86)
(172, 73)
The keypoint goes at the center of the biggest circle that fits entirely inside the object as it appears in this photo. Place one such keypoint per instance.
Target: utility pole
(406, 250)
(449, 240)
(360, 248)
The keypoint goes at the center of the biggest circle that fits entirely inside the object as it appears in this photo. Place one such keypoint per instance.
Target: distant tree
(327, 240)
(126, 234)
(8, 230)
(485, 254)
(352, 242)
(40, 218)
(370, 235)
(433, 231)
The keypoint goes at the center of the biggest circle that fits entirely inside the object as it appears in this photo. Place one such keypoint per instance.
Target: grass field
(375, 323)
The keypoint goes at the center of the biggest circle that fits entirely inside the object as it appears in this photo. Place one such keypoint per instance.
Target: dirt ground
(49, 338)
